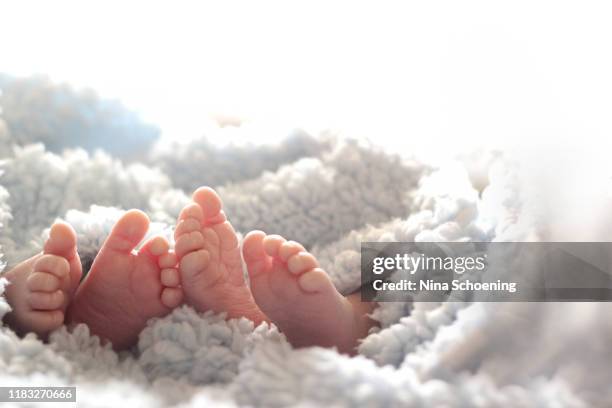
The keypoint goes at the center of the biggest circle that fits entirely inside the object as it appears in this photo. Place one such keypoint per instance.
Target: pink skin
(124, 289)
(299, 297)
(209, 260)
(41, 287)
(287, 287)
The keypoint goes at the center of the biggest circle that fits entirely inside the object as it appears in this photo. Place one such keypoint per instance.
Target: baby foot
(209, 259)
(123, 289)
(42, 286)
(299, 297)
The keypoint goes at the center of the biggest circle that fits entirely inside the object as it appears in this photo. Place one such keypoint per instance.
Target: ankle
(361, 314)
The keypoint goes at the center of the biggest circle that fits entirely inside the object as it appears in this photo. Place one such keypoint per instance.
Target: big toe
(254, 253)
(127, 233)
(62, 240)
(211, 204)
(62, 243)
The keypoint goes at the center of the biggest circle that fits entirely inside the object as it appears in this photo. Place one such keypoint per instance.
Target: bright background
(426, 76)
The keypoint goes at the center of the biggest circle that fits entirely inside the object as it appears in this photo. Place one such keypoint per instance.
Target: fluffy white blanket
(331, 195)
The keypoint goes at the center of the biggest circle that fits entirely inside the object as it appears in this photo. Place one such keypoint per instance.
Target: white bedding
(330, 195)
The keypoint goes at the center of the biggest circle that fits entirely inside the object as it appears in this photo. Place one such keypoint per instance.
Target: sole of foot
(124, 288)
(299, 297)
(41, 287)
(210, 265)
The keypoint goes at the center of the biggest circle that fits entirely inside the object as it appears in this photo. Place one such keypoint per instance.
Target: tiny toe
(62, 240)
(288, 249)
(167, 260)
(209, 201)
(170, 277)
(172, 297)
(300, 262)
(315, 280)
(272, 244)
(42, 282)
(53, 264)
(194, 262)
(186, 226)
(188, 243)
(156, 246)
(192, 211)
(46, 301)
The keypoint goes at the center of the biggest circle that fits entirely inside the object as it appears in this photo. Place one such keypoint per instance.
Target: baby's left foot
(299, 297)
(41, 287)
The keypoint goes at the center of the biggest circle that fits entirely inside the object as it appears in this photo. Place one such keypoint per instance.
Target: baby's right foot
(299, 297)
(123, 288)
(41, 287)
